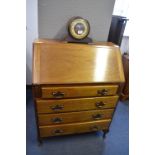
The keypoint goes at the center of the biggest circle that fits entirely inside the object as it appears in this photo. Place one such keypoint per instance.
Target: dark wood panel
(125, 91)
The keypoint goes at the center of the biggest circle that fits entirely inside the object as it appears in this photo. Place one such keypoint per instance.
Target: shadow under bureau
(76, 87)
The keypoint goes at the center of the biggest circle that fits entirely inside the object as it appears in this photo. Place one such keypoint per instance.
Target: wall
(31, 34)
(121, 8)
(54, 14)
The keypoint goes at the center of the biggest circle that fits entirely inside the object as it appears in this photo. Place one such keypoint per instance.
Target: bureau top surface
(57, 62)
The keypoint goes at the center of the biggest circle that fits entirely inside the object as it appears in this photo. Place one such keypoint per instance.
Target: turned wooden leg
(105, 132)
(40, 142)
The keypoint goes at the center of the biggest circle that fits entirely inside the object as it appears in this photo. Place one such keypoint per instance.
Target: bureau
(76, 87)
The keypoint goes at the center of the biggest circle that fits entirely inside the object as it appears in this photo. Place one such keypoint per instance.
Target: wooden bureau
(76, 87)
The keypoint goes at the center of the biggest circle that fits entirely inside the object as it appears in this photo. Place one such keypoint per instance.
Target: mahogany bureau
(76, 87)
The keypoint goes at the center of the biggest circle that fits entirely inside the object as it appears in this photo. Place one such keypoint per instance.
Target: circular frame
(73, 22)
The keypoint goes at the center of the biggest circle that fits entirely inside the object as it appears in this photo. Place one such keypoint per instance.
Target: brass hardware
(57, 107)
(102, 92)
(97, 116)
(94, 128)
(100, 104)
(56, 120)
(58, 131)
(58, 94)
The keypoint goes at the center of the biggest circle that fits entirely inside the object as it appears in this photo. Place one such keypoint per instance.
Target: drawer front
(78, 91)
(73, 128)
(66, 105)
(85, 116)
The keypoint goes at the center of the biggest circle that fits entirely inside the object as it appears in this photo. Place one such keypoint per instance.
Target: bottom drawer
(73, 128)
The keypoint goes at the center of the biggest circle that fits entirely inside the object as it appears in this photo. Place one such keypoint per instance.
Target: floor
(115, 143)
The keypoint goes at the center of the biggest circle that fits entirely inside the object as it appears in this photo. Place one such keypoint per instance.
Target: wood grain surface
(95, 103)
(64, 63)
(82, 116)
(75, 86)
(73, 128)
(79, 91)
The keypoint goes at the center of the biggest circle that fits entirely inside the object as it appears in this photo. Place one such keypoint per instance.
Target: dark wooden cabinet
(125, 91)
(117, 27)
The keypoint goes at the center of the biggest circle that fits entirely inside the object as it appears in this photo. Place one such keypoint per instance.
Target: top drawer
(78, 91)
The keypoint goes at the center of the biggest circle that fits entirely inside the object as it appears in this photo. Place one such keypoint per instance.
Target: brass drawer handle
(57, 107)
(97, 116)
(56, 120)
(100, 104)
(58, 94)
(94, 128)
(58, 131)
(102, 92)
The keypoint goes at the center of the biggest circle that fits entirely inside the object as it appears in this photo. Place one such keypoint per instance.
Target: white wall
(31, 34)
(121, 8)
(54, 14)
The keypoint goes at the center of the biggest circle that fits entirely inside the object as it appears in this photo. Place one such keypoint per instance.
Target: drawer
(84, 116)
(78, 91)
(80, 104)
(73, 128)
